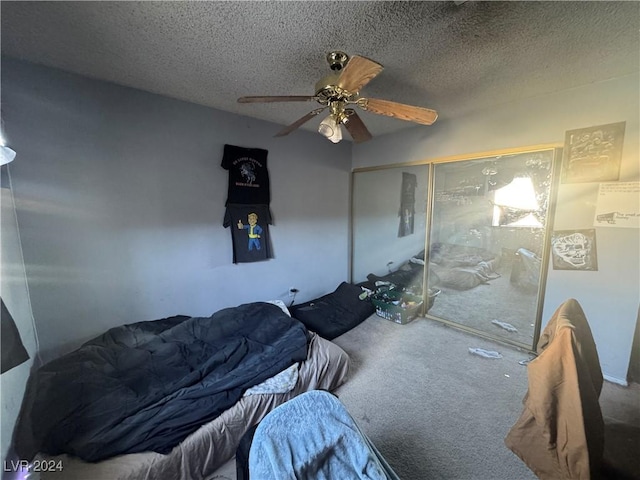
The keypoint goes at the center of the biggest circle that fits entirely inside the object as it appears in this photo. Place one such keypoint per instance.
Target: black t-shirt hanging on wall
(248, 175)
(249, 232)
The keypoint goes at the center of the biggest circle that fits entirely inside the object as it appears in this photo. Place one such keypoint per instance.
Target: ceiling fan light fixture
(330, 128)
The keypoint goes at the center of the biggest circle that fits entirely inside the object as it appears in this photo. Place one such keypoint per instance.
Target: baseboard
(616, 380)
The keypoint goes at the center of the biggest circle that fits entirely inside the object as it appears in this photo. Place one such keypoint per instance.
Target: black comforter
(147, 385)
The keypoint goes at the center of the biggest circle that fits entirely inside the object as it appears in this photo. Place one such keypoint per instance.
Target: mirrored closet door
(488, 243)
(485, 223)
(389, 220)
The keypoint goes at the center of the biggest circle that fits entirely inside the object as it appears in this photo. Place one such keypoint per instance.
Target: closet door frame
(555, 151)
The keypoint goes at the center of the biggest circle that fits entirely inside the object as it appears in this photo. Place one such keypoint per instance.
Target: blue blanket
(313, 436)
(147, 385)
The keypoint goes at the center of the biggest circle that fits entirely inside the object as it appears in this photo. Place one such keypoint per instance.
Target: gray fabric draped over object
(313, 436)
(560, 433)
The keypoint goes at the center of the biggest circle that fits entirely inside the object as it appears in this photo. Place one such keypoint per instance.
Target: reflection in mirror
(389, 210)
(487, 243)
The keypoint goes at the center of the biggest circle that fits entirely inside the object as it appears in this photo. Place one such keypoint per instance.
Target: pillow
(280, 304)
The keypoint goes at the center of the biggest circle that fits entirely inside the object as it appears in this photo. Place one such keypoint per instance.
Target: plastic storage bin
(399, 307)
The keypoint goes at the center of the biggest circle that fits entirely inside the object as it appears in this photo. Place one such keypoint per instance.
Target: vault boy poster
(249, 226)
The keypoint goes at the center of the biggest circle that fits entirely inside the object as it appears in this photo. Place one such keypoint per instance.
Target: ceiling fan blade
(283, 98)
(409, 113)
(356, 128)
(357, 73)
(287, 130)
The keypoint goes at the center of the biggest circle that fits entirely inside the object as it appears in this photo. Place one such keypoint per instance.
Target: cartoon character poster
(249, 232)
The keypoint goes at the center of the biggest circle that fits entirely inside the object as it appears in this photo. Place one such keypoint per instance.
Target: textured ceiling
(454, 57)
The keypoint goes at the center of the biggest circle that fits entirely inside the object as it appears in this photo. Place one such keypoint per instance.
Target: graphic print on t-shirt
(254, 231)
(249, 232)
(247, 170)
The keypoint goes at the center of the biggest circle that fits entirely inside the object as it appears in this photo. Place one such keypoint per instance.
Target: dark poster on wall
(249, 232)
(248, 175)
(13, 351)
(407, 204)
(574, 249)
(593, 154)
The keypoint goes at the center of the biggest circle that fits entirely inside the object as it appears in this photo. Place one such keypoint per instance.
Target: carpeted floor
(433, 409)
(498, 299)
(436, 411)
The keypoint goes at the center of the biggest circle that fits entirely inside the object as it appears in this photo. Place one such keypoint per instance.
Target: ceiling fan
(338, 91)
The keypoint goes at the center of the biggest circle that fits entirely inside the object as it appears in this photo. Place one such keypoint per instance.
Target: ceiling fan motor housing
(327, 89)
(337, 60)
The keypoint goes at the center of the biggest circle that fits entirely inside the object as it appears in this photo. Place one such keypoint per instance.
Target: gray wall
(609, 296)
(120, 201)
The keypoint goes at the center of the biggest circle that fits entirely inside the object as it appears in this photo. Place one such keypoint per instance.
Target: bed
(190, 429)
(458, 267)
(462, 267)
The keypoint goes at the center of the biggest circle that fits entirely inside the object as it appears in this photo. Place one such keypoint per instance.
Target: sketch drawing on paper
(574, 250)
(593, 154)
